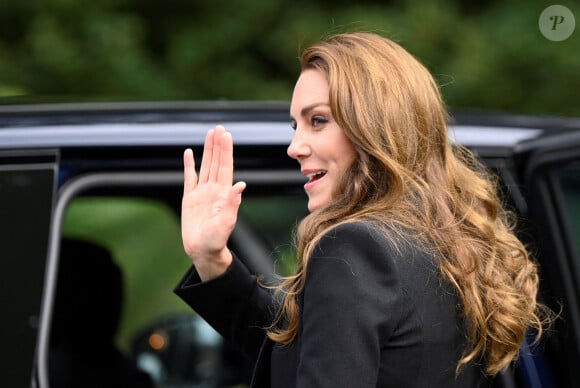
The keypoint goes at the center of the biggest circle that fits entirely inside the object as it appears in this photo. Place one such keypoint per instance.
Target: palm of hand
(208, 218)
(210, 203)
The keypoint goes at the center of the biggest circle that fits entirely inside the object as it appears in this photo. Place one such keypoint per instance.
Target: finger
(217, 150)
(207, 157)
(226, 170)
(236, 192)
(189, 175)
(239, 187)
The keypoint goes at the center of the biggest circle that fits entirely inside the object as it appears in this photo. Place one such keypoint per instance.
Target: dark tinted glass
(568, 179)
(25, 210)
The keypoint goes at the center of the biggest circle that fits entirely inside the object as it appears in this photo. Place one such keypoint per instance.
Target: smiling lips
(313, 177)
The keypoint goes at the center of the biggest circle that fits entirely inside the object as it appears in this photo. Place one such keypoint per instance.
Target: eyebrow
(309, 108)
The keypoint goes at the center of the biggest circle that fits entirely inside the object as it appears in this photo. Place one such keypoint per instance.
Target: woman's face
(319, 144)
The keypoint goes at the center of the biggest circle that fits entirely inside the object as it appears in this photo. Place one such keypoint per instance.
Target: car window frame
(257, 259)
(536, 161)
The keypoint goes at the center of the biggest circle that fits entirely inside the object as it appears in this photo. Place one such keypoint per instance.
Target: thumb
(237, 190)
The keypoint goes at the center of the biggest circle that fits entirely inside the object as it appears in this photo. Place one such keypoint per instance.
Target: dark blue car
(89, 221)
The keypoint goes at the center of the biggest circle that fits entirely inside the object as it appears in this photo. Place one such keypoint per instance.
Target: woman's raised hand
(210, 204)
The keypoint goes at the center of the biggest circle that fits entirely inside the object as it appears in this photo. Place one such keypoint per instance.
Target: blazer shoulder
(374, 235)
(381, 245)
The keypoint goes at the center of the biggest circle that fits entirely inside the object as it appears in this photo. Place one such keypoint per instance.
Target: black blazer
(375, 312)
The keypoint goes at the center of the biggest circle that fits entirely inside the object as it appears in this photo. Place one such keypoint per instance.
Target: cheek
(348, 156)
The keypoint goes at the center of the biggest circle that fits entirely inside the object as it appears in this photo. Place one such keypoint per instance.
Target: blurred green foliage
(485, 54)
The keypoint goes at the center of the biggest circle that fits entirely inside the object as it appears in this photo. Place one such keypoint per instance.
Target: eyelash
(317, 120)
(314, 121)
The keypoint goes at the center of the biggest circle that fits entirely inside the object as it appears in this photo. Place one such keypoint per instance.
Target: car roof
(185, 123)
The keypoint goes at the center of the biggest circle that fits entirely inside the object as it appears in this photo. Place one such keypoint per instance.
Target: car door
(549, 168)
(27, 187)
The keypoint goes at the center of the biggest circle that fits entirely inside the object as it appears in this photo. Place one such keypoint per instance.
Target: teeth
(316, 174)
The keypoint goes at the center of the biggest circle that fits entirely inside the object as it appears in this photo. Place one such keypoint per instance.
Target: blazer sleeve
(351, 305)
(233, 304)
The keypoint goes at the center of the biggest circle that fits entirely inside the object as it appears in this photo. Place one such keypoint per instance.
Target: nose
(298, 148)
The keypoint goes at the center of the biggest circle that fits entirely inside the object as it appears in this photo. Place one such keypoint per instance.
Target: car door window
(144, 239)
(567, 191)
(550, 172)
(274, 218)
(157, 334)
(26, 193)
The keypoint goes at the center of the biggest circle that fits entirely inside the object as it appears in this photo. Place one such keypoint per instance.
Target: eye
(318, 120)
(293, 124)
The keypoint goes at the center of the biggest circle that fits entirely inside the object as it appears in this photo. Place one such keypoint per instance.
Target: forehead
(311, 87)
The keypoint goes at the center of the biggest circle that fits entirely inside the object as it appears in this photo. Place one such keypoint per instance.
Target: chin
(312, 206)
(316, 205)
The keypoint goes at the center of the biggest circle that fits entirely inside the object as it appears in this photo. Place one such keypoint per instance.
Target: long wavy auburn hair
(408, 177)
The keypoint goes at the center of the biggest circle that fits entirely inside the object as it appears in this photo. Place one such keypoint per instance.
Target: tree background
(486, 55)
